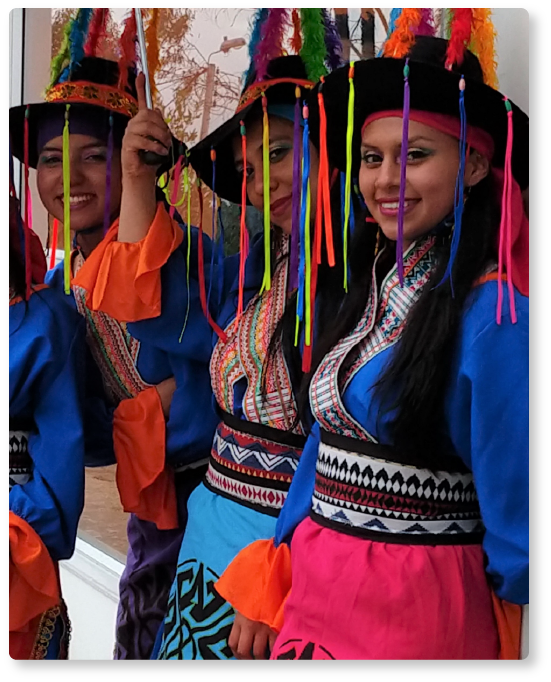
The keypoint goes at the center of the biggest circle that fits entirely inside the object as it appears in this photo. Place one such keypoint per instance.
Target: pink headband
(450, 125)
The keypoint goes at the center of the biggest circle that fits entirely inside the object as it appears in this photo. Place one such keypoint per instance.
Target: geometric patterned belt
(253, 464)
(21, 464)
(366, 495)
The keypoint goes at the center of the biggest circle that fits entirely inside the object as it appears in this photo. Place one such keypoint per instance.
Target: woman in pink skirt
(405, 531)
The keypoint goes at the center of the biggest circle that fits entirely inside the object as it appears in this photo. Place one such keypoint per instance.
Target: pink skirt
(357, 599)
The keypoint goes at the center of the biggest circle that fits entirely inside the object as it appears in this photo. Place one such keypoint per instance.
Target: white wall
(90, 587)
(512, 26)
(38, 43)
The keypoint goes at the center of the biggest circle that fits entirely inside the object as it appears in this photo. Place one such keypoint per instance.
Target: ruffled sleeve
(145, 482)
(34, 586)
(258, 581)
(124, 280)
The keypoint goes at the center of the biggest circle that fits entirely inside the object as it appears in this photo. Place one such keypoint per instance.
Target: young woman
(144, 392)
(408, 514)
(46, 450)
(255, 365)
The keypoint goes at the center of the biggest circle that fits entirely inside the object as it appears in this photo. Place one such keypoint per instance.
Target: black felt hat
(92, 87)
(379, 86)
(283, 76)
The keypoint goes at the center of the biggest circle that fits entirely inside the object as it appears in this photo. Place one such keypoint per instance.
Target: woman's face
(88, 166)
(281, 169)
(432, 165)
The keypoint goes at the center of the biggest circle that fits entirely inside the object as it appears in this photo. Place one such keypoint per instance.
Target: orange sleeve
(258, 581)
(34, 586)
(145, 482)
(509, 626)
(124, 280)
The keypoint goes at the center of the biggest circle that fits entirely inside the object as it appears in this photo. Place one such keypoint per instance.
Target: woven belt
(367, 495)
(253, 471)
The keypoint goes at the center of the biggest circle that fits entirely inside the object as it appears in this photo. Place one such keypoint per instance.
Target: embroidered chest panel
(113, 348)
(242, 358)
(379, 328)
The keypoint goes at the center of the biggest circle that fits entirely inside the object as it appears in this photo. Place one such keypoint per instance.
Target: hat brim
(379, 86)
(228, 180)
(38, 110)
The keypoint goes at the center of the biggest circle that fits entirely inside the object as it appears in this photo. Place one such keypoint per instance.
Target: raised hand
(147, 131)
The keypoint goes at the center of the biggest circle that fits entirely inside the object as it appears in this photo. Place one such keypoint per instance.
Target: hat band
(450, 125)
(256, 90)
(84, 92)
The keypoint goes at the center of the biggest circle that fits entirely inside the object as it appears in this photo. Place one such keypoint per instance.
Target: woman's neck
(87, 240)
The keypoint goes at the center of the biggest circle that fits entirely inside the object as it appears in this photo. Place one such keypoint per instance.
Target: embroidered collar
(379, 328)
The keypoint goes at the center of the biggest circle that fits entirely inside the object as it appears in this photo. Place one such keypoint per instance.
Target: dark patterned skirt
(148, 575)
(238, 503)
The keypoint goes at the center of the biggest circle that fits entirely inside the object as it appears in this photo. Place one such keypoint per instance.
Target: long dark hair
(329, 297)
(414, 382)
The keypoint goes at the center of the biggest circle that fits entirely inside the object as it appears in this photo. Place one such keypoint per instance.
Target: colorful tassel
(98, 30)
(220, 253)
(460, 35)
(270, 45)
(308, 269)
(173, 200)
(296, 39)
(256, 23)
(109, 163)
(128, 49)
(53, 243)
(304, 280)
(459, 199)
(66, 205)
(333, 43)
(152, 50)
(505, 228)
(26, 251)
(243, 233)
(402, 39)
(348, 181)
(187, 193)
(483, 39)
(427, 25)
(213, 223)
(202, 289)
(323, 182)
(313, 50)
(267, 281)
(403, 167)
(295, 229)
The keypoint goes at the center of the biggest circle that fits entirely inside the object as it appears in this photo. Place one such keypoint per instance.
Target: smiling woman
(88, 169)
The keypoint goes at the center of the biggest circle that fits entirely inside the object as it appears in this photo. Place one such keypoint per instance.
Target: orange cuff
(258, 581)
(123, 280)
(34, 586)
(509, 626)
(145, 483)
